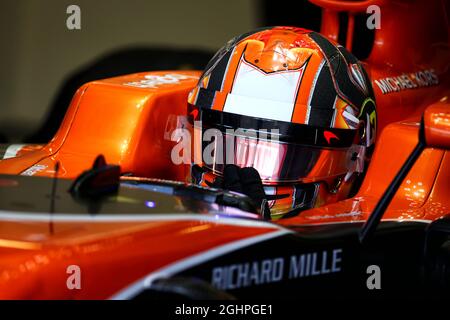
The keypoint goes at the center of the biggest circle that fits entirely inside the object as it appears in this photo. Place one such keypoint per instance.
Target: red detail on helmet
(329, 135)
(194, 114)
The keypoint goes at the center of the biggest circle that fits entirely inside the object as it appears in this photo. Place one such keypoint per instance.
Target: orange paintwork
(127, 125)
(437, 125)
(424, 46)
(429, 176)
(124, 123)
(117, 250)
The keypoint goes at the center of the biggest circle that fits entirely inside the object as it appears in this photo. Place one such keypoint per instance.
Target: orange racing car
(136, 227)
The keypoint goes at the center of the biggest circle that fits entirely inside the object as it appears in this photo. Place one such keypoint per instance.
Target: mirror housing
(435, 133)
(436, 126)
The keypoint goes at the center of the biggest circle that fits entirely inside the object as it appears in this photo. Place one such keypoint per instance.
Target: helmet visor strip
(280, 151)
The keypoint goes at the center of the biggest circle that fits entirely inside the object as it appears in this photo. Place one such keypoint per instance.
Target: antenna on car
(374, 219)
(53, 196)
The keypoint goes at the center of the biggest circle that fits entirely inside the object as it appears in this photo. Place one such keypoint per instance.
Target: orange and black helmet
(295, 106)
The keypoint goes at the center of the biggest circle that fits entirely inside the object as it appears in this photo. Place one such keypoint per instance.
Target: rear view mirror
(436, 126)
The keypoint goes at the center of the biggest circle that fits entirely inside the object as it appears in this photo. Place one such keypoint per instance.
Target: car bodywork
(154, 236)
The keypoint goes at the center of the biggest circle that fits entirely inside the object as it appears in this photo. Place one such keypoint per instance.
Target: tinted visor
(280, 151)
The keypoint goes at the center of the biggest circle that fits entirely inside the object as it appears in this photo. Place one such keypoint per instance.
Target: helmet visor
(280, 151)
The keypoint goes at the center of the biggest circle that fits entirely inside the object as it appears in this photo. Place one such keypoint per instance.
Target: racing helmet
(290, 103)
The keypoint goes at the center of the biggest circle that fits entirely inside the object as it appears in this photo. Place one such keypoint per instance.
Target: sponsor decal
(31, 171)
(145, 282)
(242, 275)
(155, 81)
(338, 215)
(329, 135)
(413, 80)
(355, 211)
